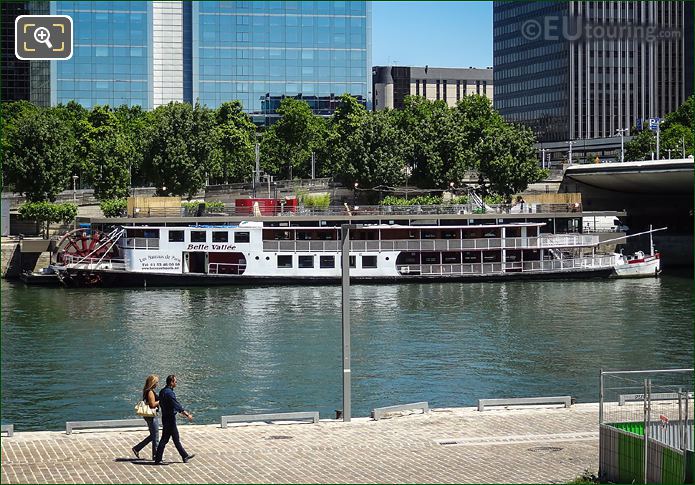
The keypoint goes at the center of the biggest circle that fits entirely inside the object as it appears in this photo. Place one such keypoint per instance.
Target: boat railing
(226, 268)
(596, 262)
(139, 243)
(79, 262)
(542, 242)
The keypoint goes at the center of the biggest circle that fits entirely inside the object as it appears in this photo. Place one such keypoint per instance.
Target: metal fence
(646, 426)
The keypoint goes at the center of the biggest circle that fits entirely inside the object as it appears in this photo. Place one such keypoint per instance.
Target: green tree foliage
(376, 152)
(114, 207)
(135, 126)
(292, 138)
(677, 133)
(235, 137)
(46, 213)
(435, 154)
(179, 156)
(38, 152)
(107, 153)
(507, 160)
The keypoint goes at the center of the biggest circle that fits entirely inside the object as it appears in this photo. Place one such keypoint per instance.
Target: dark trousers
(169, 430)
(153, 426)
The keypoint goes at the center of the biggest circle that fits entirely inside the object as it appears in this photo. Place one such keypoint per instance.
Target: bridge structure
(657, 192)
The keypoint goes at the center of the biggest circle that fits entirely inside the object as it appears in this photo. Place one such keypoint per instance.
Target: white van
(603, 224)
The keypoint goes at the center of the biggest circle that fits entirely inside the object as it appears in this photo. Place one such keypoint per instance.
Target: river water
(82, 354)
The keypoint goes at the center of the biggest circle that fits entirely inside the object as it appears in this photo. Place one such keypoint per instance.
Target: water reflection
(84, 354)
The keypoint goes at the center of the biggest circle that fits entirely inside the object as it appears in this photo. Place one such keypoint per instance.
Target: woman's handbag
(143, 409)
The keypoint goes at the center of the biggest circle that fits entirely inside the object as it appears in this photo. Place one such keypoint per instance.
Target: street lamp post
(74, 196)
(570, 154)
(621, 132)
(354, 194)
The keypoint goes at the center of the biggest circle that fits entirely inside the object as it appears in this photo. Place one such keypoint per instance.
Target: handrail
(534, 242)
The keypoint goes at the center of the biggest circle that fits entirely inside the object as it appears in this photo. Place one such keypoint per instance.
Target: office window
(241, 237)
(284, 261)
(306, 261)
(368, 261)
(220, 236)
(327, 261)
(444, 90)
(175, 236)
(198, 236)
(437, 89)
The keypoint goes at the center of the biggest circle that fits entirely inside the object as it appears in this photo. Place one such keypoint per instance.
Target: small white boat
(638, 265)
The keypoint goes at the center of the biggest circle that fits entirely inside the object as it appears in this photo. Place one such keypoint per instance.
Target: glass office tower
(261, 51)
(614, 63)
(111, 62)
(150, 53)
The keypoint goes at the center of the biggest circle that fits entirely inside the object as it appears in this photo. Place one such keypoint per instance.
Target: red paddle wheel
(85, 243)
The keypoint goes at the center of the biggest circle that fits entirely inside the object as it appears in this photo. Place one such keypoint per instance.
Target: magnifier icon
(43, 36)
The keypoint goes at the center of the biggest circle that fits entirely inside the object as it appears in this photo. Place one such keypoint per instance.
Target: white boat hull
(643, 267)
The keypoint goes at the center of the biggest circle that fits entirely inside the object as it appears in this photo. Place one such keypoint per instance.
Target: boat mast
(651, 241)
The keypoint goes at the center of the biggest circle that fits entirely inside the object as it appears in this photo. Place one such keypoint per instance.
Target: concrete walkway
(462, 445)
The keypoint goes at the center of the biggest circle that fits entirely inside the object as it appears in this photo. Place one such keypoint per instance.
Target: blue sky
(439, 34)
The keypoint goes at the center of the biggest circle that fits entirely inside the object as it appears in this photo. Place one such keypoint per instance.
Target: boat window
(303, 236)
(450, 234)
(284, 261)
(241, 237)
(429, 234)
(352, 261)
(198, 236)
(306, 261)
(369, 261)
(220, 236)
(327, 261)
(176, 236)
(430, 258)
(451, 257)
(151, 233)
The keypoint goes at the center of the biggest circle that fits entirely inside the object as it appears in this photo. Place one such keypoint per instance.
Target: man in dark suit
(170, 408)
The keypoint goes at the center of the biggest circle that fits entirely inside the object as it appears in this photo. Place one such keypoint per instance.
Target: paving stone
(530, 445)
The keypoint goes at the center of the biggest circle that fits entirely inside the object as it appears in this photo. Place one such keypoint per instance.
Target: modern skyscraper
(150, 53)
(583, 70)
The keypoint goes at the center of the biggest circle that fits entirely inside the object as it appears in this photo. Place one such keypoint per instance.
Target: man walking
(170, 408)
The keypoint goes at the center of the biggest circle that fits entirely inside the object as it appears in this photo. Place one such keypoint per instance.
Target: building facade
(583, 70)
(150, 53)
(15, 73)
(391, 84)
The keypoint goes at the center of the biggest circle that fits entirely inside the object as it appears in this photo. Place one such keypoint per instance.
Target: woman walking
(150, 397)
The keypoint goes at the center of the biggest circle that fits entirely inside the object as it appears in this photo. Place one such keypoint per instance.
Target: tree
(235, 136)
(435, 151)
(44, 213)
(135, 126)
(179, 155)
(347, 119)
(374, 152)
(107, 154)
(39, 149)
(295, 135)
(676, 134)
(507, 160)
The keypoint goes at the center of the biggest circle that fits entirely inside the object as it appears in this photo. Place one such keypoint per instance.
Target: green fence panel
(636, 427)
(671, 466)
(630, 459)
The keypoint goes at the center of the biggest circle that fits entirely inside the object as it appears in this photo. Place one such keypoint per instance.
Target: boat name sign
(206, 247)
